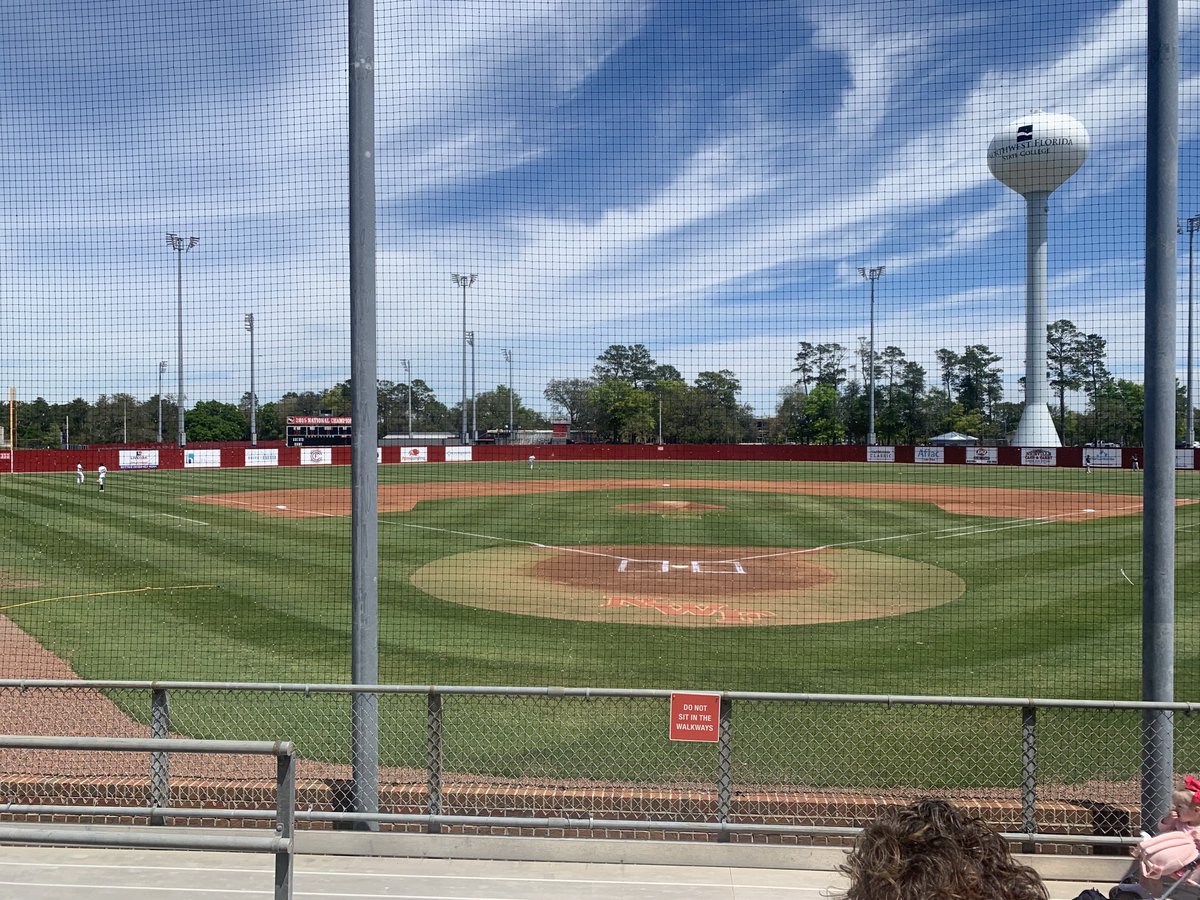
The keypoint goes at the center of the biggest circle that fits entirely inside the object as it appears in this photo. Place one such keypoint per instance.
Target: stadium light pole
(407, 363)
(162, 367)
(249, 325)
(872, 275)
(180, 246)
(464, 281)
(508, 359)
(474, 395)
(1193, 225)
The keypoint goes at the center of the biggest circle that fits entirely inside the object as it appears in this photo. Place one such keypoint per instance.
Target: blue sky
(697, 176)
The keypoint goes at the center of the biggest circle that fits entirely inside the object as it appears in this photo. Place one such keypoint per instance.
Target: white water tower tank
(1039, 152)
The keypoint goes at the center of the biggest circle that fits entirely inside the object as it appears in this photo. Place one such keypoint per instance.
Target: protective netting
(701, 335)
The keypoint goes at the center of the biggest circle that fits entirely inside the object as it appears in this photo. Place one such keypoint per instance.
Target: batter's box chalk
(721, 567)
(644, 565)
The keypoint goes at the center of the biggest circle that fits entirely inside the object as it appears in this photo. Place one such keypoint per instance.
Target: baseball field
(706, 575)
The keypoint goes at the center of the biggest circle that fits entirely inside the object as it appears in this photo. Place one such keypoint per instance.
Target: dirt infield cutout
(694, 587)
(689, 586)
(1004, 503)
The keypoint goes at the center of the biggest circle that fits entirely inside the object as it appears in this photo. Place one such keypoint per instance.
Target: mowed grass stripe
(1039, 598)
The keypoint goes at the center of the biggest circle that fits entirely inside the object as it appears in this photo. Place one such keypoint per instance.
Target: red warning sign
(695, 717)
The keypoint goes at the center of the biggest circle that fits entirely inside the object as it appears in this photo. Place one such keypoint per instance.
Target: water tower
(1034, 156)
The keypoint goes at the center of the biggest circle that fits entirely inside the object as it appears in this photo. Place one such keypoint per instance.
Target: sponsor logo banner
(137, 459)
(266, 456)
(414, 455)
(458, 454)
(982, 456)
(1102, 457)
(881, 454)
(316, 456)
(202, 459)
(929, 454)
(1039, 456)
(1185, 459)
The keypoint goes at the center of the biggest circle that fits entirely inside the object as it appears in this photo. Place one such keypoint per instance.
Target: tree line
(631, 398)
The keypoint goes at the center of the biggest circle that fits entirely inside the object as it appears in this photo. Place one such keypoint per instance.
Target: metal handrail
(281, 843)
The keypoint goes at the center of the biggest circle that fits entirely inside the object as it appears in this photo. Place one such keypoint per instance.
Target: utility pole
(872, 274)
(474, 394)
(508, 359)
(407, 363)
(1193, 225)
(180, 246)
(249, 324)
(162, 367)
(464, 281)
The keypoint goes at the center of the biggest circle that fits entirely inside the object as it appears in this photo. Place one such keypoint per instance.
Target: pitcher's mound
(668, 507)
(689, 586)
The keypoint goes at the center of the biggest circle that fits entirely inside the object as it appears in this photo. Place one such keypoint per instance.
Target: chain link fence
(591, 762)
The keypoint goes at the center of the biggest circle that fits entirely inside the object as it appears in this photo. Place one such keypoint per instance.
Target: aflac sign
(929, 454)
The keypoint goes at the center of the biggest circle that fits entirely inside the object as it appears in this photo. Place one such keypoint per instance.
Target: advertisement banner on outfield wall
(316, 456)
(1185, 459)
(881, 454)
(137, 459)
(929, 454)
(262, 456)
(202, 459)
(458, 454)
(1039, 456)
(983, 456)
(1102, 457)
(415, 454)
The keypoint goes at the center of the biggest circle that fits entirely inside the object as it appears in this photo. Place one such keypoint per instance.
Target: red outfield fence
(275, 454)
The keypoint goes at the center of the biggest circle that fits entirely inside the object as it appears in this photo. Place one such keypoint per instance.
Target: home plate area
(689, 587)
(700, 567)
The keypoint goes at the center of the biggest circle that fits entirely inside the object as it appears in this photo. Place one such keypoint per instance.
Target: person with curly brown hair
(931, 848)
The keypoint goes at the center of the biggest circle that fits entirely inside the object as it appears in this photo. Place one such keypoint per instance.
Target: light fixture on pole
(464, 281)
(1193, 225)
(407, 363)
(872, 274)
(162, 367)
(508, 359)
(474, 395)
(180, 246)
(249, 325)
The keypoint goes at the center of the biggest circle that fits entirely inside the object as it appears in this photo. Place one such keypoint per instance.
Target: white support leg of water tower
(1036, 428)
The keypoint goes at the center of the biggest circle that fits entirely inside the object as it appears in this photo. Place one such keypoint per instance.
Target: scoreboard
(318, 431)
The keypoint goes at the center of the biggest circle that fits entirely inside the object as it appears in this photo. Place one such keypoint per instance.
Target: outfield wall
(269, 455)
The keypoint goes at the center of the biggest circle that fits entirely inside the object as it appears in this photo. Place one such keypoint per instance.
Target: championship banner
(458, 454)
(265, 456)
(1039, 456)
(414, 455)
(316, 456)
(881, 454)
(929, 454)
(137, 459)
(202, 459)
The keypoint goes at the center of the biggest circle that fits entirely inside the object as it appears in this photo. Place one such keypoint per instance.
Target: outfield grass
(238, 595)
